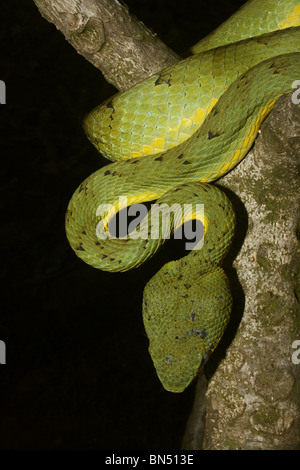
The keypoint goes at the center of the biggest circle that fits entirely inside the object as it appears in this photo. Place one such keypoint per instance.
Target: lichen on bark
(253, 399)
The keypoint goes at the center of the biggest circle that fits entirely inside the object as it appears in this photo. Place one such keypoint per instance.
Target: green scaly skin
(270, 15)
(169, 107)
(187, 303)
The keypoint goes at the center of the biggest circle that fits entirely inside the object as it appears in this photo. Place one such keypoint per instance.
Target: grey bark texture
(114, 41)
(253, 399)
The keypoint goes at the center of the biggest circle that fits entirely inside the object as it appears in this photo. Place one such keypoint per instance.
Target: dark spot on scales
(203, 333)
(210, 135)
(159, 159)
(198, 332)
(109, 104)
(81, 188)
(180, 156)
(80, 248)
(169, 358)
(107, 173)
(161, 79)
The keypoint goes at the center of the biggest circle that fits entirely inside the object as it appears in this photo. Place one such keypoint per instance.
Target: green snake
(170, 136)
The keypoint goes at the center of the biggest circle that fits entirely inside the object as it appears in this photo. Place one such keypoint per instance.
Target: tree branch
(252, 401)
(115, 42)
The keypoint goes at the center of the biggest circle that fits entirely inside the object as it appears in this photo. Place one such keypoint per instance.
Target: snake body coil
(169, 136)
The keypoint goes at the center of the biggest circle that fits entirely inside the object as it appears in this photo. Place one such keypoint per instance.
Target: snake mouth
(173, 388)
(175, 375)
(179, 387)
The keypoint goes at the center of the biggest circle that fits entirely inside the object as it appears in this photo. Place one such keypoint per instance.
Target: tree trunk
(252, 400)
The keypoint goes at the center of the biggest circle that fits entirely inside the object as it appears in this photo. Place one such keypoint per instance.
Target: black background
(78, 374)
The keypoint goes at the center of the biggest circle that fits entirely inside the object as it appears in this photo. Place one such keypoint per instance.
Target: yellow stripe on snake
(169, 136)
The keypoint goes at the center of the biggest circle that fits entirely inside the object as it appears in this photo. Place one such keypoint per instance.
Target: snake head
(185, 316)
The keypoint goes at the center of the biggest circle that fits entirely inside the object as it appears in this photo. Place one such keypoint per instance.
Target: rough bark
(252, 400)
(114, 41)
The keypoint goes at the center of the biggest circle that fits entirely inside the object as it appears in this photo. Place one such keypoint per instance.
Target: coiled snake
(169, 136)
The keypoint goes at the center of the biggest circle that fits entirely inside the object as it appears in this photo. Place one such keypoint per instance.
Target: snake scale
(168, 138)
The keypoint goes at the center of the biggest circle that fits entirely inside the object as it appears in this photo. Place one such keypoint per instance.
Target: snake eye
(204, 358)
